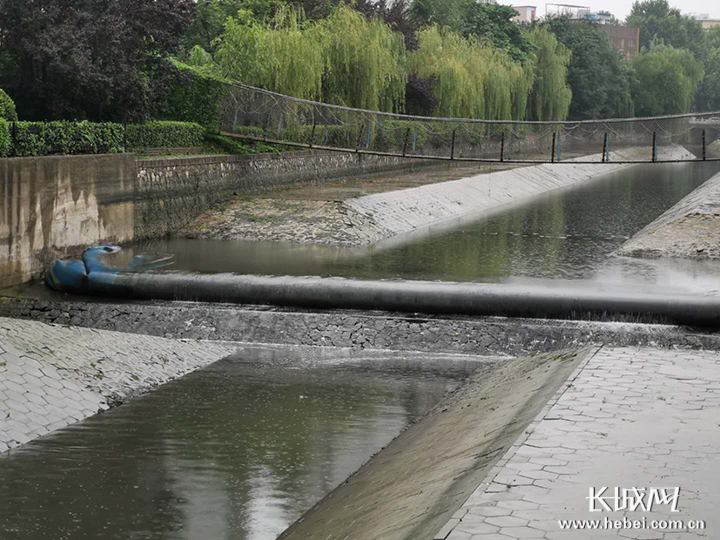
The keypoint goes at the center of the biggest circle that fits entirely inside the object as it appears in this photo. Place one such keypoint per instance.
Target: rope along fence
(254, 114)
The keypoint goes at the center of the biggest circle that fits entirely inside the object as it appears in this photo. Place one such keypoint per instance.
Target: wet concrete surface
(566, 235)
(237, 450)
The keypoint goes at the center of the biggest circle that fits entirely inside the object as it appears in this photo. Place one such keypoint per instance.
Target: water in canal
(236, 451)
(569, 234)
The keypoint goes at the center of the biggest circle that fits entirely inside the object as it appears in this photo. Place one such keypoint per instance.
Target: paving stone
(49, 376)
(615, 430)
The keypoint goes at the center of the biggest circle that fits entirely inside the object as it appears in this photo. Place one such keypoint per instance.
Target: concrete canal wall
(52, 376)
(407, 210)
(690, 229)
(57, 206)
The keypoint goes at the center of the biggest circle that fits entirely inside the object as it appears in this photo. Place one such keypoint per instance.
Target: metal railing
(259, 115)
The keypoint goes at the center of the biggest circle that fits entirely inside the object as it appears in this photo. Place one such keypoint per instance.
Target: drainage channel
(237, 450)
(566, 235)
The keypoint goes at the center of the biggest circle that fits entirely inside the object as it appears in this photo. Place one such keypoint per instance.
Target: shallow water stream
(569, 234)
(236, 451)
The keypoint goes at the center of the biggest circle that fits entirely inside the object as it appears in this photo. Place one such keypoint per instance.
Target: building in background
(625, 39)
(526, 14)
(579, 13)
(705, 20)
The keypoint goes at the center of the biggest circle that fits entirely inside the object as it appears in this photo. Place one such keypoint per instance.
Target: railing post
(452, 146)
(360, 134)
(369, 137)
(552, 159)
(704, 146)
(407, 138)
(654, 148)
(312, 133)
(605, 153)
(502, 147)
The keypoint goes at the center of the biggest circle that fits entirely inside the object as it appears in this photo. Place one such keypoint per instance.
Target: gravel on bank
(688, 230)
(281, 220)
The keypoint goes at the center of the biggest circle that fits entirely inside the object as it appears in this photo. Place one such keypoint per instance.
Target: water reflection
(570, 234)
(236, 451)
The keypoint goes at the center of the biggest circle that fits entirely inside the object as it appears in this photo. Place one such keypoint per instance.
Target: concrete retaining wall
(56, 206)
(404, 211)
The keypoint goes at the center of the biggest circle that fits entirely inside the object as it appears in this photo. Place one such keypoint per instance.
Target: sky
(621, 8)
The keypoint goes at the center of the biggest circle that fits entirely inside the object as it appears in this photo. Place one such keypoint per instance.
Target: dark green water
(236, 451)
(564, 235)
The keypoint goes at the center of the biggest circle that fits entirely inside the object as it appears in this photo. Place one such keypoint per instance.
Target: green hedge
(26, 139)
(165, 135)
(47, 138)
(5, 141)
(7, 107)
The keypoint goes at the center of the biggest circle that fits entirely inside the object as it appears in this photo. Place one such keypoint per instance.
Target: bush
(5, 141)
(47, 138)
(7, 107)
(194, 96)
(164, 135)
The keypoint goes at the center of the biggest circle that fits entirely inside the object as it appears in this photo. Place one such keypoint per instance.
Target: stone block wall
(173, 191)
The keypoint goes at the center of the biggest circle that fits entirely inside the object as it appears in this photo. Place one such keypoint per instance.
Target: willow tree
(551, 95)
(365, 62)
(471, 78)
(284, 55)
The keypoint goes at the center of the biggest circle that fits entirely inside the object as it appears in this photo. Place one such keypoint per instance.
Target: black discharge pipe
(411, 296)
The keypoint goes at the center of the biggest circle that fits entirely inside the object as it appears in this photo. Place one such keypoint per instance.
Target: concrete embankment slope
(411, 489)
(404, 211)
(690, 229)
(52, 376)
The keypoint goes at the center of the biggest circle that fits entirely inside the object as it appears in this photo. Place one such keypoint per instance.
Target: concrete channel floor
(628, 418)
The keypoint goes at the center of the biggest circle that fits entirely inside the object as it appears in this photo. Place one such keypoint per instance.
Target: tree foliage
(708, 96)
(551, 96)
(7, 107)
(365, 62)
(284, 55)
(344, 59)
(667, 79)
(87, 58)
(657, 20)
(494, 23)
(443, 13)
(600, 78)
(470, 78)
(210, 16)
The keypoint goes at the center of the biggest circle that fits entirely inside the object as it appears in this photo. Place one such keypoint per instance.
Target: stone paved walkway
(628, 418)
(52, 376)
